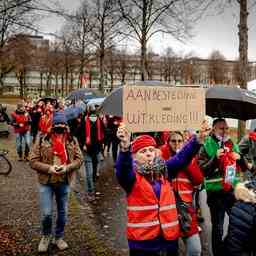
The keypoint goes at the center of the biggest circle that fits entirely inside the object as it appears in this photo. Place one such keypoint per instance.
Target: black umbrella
(230, 102)
(113, 104)
(82, 94)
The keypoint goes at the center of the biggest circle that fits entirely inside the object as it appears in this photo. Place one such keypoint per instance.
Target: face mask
(222, 139)
(93, 118)
(59, 130)
(154, 171)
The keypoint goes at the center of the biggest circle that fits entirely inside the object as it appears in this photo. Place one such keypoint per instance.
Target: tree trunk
(71, 82)
(62, 85)
(243, 55)
(66, 80)
(56, 85)
(1, 86)
(143, 60)
(90, 79)
(112, 80)
(101, 85)
(144, 43)
(21, 86)
(47, 92)
(81, 71)
(41, 84)
(102, 55)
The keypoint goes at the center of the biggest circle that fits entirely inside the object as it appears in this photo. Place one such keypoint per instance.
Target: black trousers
(115, 143)
(219, 204)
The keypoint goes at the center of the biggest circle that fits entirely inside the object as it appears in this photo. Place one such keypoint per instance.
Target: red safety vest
(149, 217)
(183, 186)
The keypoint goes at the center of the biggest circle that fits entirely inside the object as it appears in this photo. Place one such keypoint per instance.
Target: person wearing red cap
(153, 225)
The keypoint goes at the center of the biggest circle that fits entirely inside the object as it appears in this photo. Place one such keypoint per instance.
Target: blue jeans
(20, 137)
(88, 168)
(46, 193)
(193, 245)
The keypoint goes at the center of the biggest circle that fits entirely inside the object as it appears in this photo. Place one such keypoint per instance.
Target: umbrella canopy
(81, 94)
(230, 102)
(113, 104)
(73, 112)
(96, 101)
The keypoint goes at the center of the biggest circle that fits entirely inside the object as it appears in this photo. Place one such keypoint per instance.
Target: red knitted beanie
(142, 142)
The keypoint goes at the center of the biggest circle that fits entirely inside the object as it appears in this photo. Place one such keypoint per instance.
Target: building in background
(50, 70)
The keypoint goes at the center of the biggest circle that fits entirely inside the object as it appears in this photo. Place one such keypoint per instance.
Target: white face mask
(222, 139)
(93, 118)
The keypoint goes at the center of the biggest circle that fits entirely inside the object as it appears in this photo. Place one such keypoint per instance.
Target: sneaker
(91, 197)
(61, 244)
(44, 244)
(20, 158)
(26, 158)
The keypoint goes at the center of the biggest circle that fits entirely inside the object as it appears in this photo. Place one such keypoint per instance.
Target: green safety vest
(215, 183)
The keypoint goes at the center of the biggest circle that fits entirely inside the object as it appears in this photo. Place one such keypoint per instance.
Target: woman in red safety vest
(153, 225)
(184, 184)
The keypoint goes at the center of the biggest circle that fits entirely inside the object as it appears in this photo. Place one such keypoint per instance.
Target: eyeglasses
(176, 141)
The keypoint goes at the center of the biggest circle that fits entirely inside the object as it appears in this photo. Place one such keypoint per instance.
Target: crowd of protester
(162, 174)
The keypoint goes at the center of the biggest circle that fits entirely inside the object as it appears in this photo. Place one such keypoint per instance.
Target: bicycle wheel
(5, 165)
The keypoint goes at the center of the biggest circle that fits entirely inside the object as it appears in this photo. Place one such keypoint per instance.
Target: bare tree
(21, 55)
(81, 28)
(19, 16)
(171, 66)
(123, 61)
(106, 28)
(14, 17)
(216, 68)
(145, 18)
(243, 54)
(111, 65)
(244, 7)
(69, 60)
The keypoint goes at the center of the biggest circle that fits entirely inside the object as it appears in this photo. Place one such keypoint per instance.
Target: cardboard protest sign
(148, 108)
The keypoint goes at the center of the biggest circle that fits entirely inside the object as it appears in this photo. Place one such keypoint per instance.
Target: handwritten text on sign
(147, 108)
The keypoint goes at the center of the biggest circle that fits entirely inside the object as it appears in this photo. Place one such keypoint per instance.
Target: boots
(20, 156)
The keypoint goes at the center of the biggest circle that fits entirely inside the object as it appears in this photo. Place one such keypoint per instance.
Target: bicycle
(5, 164)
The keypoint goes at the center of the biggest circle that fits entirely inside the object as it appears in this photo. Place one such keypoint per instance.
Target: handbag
(184, 216)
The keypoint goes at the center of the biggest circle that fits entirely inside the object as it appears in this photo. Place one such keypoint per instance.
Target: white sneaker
(61, 244)
(44, 244)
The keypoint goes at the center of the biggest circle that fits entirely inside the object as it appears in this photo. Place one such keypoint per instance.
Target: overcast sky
(212, 33)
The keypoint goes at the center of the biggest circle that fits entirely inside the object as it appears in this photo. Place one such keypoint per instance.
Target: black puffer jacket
(242, 230)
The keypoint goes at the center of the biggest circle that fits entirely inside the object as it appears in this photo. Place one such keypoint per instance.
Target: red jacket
(20, 122)
(45, 124)
(149, 217)
(184, 184)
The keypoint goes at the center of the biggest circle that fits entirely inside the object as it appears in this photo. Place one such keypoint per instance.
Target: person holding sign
(221, 163)
(153, 225)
